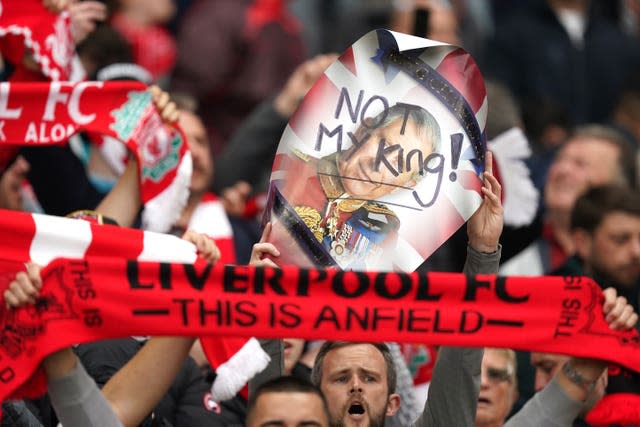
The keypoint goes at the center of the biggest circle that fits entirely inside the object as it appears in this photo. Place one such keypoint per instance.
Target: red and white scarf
(40, 114)
(26, 26)
(551, 314)
(236, 359)
(41, 238)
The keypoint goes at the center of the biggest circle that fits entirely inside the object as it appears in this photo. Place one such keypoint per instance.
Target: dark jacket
(533, 54)
(184, 404)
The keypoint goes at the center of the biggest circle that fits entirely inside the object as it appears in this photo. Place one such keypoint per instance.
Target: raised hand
(57, 6)
(165, 106)
(299, 83)
(234, 198)
(25, 288)
(261, 249)
(618, 312)
(84, 17)
(10, 182)
(207, 248)
(485, 225)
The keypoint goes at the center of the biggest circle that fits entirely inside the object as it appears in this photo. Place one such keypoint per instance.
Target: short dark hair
(285, 384)
(327, 346)
(598, 202)
(102, 47)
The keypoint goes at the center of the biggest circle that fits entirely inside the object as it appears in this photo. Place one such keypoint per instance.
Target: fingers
(260, 250)
(491, 186)
(56, 6)
(265, 262)
(266, 232)
(17, 172)
(205, 246)
(33, 271)
(170, 113)
(22, 290)
(316, 66)
(166, 108)
(630, 321)
(618, 313)
(492, 190)
(84, 16)
(234, 198)
(10, 300)
(159, 96)
(610, 296)
(20, 166)
(625, 320)
(11, 182)
(88, 12)
(300, 82)
(488, 163)
(155, 92)
(263, 248)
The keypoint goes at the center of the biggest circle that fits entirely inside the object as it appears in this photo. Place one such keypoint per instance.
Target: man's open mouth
(484, 400)
(356, 409)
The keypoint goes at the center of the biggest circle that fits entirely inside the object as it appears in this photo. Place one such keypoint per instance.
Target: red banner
(49, 113)
(37, 114)
(85, 300)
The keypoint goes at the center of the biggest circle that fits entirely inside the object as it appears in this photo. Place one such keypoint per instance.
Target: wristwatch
(576, 377)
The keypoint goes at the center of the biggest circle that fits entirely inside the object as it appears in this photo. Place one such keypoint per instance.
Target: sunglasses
(497, 375)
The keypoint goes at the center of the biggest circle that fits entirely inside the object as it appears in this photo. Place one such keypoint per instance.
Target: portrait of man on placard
(363, 164)
(336, 196)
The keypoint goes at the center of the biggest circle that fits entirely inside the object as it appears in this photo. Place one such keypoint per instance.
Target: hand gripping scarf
(120, 294)
(40, 114)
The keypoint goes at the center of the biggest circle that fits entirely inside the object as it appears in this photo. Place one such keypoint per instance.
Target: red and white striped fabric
(27, 26)
(210, 218)
(236, 359)
(122, 110)
(41, 238)
(358, 86)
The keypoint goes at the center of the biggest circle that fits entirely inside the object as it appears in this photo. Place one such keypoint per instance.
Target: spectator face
(154, 11)
(363, 172)
(288, 409)
(497, 389)
(443, 24)
(292, 351)
(581, 163)
(199, 146)
(613, 250)
(354, 382)
(546, 366)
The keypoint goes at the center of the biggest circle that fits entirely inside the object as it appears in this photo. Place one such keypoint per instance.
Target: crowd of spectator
(231, 73)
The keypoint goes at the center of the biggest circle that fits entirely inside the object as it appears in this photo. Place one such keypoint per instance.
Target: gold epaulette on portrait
(311, 217)
(299, 154)
(379, 209)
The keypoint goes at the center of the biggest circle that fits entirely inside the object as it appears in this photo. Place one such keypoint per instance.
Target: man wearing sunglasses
(562, 399)
(498, 387)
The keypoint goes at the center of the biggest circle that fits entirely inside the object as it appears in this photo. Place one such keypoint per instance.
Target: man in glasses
(571, 389)
(358, 380)
(498, 387)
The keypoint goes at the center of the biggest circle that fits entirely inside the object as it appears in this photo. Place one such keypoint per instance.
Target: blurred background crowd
(564, 72)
